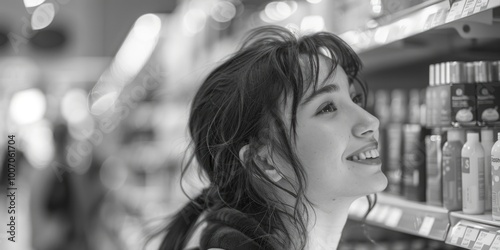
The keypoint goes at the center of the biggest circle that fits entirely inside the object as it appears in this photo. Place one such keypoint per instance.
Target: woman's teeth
(370, 154)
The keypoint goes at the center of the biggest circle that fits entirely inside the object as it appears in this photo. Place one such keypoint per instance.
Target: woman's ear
(263, 161)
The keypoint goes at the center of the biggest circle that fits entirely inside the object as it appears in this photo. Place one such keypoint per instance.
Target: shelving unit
(405, 216)
(433, 29)
(477, 232)
(438, 15)
(437, 29)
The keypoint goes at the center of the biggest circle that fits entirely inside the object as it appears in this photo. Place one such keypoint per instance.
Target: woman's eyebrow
(323, 90)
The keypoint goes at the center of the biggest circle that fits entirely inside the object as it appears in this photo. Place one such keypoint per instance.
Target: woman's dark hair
(240, 103)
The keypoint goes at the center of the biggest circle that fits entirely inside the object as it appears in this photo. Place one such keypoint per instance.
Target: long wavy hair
(240, 103)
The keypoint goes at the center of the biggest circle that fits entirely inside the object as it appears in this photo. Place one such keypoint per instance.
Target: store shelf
(417, 218)
(428, 33)
(405, 216)
(478, 232)
(419, 21)
(474, 235)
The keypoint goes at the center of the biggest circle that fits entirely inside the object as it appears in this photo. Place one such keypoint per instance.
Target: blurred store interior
(96, 95)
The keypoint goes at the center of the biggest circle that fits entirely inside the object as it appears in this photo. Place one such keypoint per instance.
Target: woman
(280, 132)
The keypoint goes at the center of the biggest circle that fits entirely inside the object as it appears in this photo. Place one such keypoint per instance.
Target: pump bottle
(472, 175)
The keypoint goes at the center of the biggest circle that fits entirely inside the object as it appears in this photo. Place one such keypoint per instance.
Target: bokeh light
(43, 16)
(74, 106)
(312, 24)
(32, 3)
(194, 21)
(223, 11)
(27, 106)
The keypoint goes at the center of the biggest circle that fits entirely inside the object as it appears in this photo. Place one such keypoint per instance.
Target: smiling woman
(280, 131)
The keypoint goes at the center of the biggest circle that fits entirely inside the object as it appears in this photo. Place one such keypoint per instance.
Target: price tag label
(457, 233)
(382, 214)
(394, 217)
(481, 5)
(469, 8)
(455, 10)
(470, 236)
(426, 226)
(428, 21)
(440, 18)
(496, 243)
(484, 239)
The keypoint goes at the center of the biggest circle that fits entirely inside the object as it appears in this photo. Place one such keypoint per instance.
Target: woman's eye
(358, 99)
(330, 107)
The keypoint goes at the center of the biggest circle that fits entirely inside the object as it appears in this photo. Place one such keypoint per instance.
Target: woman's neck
(326, 224)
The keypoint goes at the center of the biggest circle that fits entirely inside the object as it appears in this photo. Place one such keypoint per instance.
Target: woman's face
(337, 141)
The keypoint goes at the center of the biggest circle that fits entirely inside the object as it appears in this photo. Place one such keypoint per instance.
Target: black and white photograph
(249, 124)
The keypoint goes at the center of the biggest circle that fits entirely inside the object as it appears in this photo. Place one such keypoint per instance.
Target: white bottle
(495, 172)
(487, 143)
(472, 175)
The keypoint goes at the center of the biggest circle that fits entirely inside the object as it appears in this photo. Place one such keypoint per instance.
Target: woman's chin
(378, 183)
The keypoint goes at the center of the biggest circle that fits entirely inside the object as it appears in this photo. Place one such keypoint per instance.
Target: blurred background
(95, 96)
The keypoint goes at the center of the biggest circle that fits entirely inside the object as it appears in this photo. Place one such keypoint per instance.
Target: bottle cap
(482, 71)
(472, 136)
(469, 72)
(431, 75)
(455, 72)
(487, 135)
(454, 135)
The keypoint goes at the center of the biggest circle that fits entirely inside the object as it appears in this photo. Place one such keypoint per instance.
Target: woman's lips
(370, 161)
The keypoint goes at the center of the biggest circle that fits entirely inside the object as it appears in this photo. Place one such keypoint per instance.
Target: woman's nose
(366, 124)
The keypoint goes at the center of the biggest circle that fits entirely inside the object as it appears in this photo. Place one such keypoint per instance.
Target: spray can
(472, 175)
(487, 143)
(495, 185)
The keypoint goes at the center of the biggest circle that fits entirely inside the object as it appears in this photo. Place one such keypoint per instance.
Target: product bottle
(433, 156)
(462, 94)
(394, 142)
(452, 172)
(429, 101)
(487, 143)
(472, 175)
(495, 172)
(414, 170)
(381, 110)
(488, 100)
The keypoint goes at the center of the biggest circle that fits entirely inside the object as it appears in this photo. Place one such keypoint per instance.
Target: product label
(470, 236)
(496, 243)
(445, 107)
(473, 183)
(484, 239)
(466, 165)
(488, 102)
(468, 8)
(463, 104)
(495, 186)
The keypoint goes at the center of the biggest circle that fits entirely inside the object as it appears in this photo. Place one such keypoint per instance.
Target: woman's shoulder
(229, 229)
